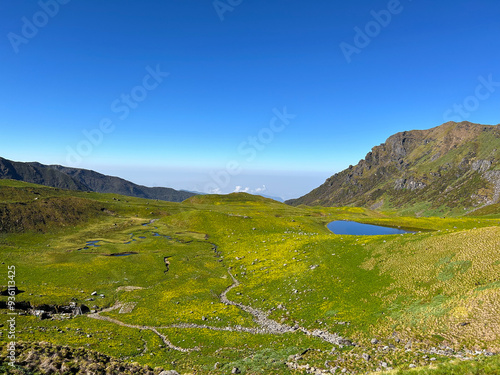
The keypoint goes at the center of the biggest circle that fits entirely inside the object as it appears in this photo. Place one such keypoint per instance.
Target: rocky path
(266, 325)
(272, 327)
(261, 318)
(153, 329)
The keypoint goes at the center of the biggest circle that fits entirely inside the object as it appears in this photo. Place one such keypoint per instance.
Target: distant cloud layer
(259, 190)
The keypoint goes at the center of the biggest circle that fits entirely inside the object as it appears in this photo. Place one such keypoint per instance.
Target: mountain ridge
(84, 180)
(448, 168)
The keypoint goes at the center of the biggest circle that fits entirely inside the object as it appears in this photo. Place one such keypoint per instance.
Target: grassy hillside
(448, 170)
(223, 282)
(84, 180)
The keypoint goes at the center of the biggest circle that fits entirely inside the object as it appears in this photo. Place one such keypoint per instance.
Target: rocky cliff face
(448, 168)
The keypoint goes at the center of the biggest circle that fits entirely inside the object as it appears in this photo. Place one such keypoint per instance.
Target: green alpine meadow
(101, 283)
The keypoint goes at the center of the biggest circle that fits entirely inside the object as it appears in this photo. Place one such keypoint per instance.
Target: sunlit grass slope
(436, 288)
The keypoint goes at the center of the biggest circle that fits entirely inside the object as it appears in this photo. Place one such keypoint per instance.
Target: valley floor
(219, 284)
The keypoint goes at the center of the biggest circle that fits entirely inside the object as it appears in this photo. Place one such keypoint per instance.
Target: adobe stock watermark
(364, 36)
(30, 26)
(249, 150)
(483, 91)
(223, 6)
(121, 107)
(11, 320)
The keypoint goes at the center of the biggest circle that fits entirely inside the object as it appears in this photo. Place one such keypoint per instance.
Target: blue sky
(269, 96)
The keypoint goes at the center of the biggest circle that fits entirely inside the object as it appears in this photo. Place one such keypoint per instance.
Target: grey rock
(345, 342)
(408, 344)
(374, 341)
(481, 165)
(41, 314)
(409, 184)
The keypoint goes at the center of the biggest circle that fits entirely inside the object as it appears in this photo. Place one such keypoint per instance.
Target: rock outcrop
(452, 166)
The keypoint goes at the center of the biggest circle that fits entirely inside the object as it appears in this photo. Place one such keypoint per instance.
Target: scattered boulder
(345, 342)
(481, 165)
(47, 311)
(408, 345)
(73, 309)
(48, 308)
(40, 314)
(167, 264)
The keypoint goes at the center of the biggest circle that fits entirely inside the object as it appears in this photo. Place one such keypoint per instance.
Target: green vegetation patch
(161, 301)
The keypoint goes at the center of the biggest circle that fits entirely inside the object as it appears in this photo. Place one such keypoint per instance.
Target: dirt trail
(154, 329)
(272, 327)
(261, 318)
(266, 325)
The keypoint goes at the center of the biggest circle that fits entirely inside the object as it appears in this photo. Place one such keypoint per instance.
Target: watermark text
(11, 321)
(32, 25)
(364, 36)
(461, 111)
(122, 108)
(249, 150)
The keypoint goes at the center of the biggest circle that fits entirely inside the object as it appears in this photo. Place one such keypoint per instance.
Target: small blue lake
(358, 229)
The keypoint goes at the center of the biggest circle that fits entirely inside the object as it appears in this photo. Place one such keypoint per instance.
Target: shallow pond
(358, 229)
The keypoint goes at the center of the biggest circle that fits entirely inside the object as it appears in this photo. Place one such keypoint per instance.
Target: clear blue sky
(74, 66)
